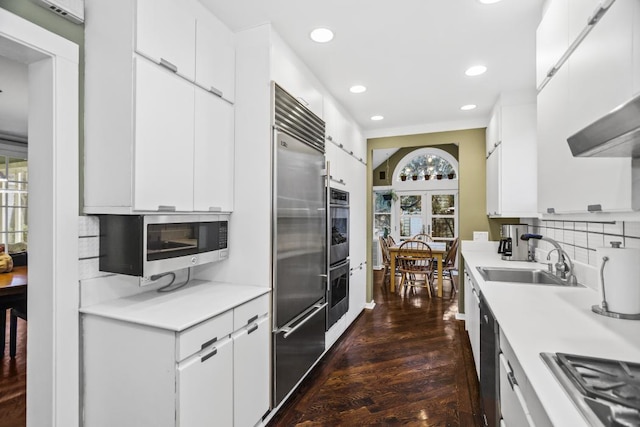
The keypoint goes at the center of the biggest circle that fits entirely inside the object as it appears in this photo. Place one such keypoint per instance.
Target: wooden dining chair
(415, 264)
(449, 266)
(20, 311)
(386, 261)
(423, 236)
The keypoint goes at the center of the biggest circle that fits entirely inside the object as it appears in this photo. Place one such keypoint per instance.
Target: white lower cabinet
(207, 402)
(215, 373)
(512, 405)
(251, 373)
(472, 318)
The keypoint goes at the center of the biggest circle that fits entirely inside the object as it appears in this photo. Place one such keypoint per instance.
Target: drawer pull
(168, 65)
(209, 356)
(166, 208)
(253, 319)
(208, 343)
(253, 328)
(215, 209)
(512, 380)
(215, 91)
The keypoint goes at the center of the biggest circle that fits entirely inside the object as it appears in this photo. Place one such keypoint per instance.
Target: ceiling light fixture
(476, 70)
(357, 89)
(321, 35)
(377, 118)
(488, 1)
(468, 107)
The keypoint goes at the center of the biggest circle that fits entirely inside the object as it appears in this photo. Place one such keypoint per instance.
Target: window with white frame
(14, 225)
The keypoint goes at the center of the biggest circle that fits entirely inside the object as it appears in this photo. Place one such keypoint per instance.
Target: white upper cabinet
(512, 162)
(599, 75)
(166, 34)
(163, 148)
(552, 37)
(601, 68)
(215, 58)
(213, 154)
(158, 115)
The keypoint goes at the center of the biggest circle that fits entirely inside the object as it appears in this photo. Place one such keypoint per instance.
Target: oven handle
(342, 264)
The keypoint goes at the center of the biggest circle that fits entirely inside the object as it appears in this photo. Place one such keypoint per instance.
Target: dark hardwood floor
(13, 380)
(407, 362)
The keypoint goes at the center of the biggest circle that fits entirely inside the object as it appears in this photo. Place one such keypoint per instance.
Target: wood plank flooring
(13, 380)
(407, 362)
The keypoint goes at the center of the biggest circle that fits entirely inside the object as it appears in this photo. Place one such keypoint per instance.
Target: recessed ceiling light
(476, 70)
(321, 35)
(357, 89)
(488, 1)
(468, 107)
(376, 118)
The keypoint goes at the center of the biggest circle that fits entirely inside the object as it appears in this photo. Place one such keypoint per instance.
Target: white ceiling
(410, 54)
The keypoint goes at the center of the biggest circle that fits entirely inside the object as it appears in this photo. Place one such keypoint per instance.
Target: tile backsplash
(581, 238)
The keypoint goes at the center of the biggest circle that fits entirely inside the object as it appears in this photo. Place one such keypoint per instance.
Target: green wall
(389, 165)
(48, 20)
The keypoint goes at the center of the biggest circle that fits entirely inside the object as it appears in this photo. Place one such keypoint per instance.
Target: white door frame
(53, 333)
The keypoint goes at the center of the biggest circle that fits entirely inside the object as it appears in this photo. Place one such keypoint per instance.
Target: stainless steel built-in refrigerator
(299, 242)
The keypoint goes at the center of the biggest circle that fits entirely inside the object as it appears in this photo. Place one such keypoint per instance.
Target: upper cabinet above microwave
(159, 117)
(599, 73)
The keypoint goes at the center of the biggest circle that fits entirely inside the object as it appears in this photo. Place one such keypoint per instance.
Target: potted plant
(391, 195)
(403, 176)
(451, 175)
(439, 176)
(414, 177)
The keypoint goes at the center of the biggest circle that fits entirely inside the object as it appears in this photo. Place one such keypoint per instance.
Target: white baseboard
(370, 305)
(460, 316)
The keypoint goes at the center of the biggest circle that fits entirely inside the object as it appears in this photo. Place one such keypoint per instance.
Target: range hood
(615, 135)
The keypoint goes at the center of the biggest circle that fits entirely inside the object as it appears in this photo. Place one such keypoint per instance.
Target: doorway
(426, 212)
(52, 337)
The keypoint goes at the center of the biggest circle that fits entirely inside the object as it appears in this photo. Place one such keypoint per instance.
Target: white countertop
(539, 318)
(178, 310)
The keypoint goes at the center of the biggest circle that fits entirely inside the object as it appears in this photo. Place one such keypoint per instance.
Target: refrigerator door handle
(288, 330)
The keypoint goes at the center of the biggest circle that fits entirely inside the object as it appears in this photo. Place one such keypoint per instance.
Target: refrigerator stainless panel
(295, 354)
(300, 243)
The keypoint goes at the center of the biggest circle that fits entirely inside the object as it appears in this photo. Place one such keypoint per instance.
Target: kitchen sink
(522, 275)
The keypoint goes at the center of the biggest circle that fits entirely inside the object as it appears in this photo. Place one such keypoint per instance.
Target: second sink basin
(521, 275)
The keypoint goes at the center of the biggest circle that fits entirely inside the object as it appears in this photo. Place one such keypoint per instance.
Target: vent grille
(296, 119)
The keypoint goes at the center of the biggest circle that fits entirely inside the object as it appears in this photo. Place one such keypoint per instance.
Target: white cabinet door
(165, 31)
(512, 406)
(251, 373)
(601, 68)
(213, 153)
(205, 388)
(215, 58)
(494, 181)
(472, 318)
(163, 154)
(552, 37)
(493, 134)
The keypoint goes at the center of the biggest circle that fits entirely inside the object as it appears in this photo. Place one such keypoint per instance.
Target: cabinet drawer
(202, 335)
(250, 311)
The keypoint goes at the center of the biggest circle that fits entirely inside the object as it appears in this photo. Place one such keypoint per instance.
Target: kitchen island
(541, 318)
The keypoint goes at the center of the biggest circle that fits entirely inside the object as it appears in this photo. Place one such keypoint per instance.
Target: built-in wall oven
(339, 223)
(338, 236)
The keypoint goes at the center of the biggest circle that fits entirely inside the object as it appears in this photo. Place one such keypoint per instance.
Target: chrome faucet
(564, 266)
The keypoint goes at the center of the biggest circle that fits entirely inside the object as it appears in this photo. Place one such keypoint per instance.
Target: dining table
(13, 294)
(438, 250)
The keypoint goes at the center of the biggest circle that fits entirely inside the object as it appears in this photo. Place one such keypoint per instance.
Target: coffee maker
(511, 247)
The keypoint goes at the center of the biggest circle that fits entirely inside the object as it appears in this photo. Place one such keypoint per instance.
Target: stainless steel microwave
(145, 245)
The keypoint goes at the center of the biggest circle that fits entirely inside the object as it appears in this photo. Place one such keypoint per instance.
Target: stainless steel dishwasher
(489, 365)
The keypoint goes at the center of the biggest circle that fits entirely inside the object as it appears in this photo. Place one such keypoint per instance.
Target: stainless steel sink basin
(522, 275)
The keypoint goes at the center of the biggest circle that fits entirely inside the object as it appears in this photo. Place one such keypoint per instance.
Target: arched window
(426, 164)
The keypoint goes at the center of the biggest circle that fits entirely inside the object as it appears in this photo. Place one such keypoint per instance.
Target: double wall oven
(338, 242)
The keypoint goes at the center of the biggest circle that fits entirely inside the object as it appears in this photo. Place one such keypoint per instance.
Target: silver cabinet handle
(168, 65)
(253, 319)
(215, 209)
(288, 330)
(486, 319)
(166, 208)
(217, 92)
(209, 356)
(208, 343)
(253, 328)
